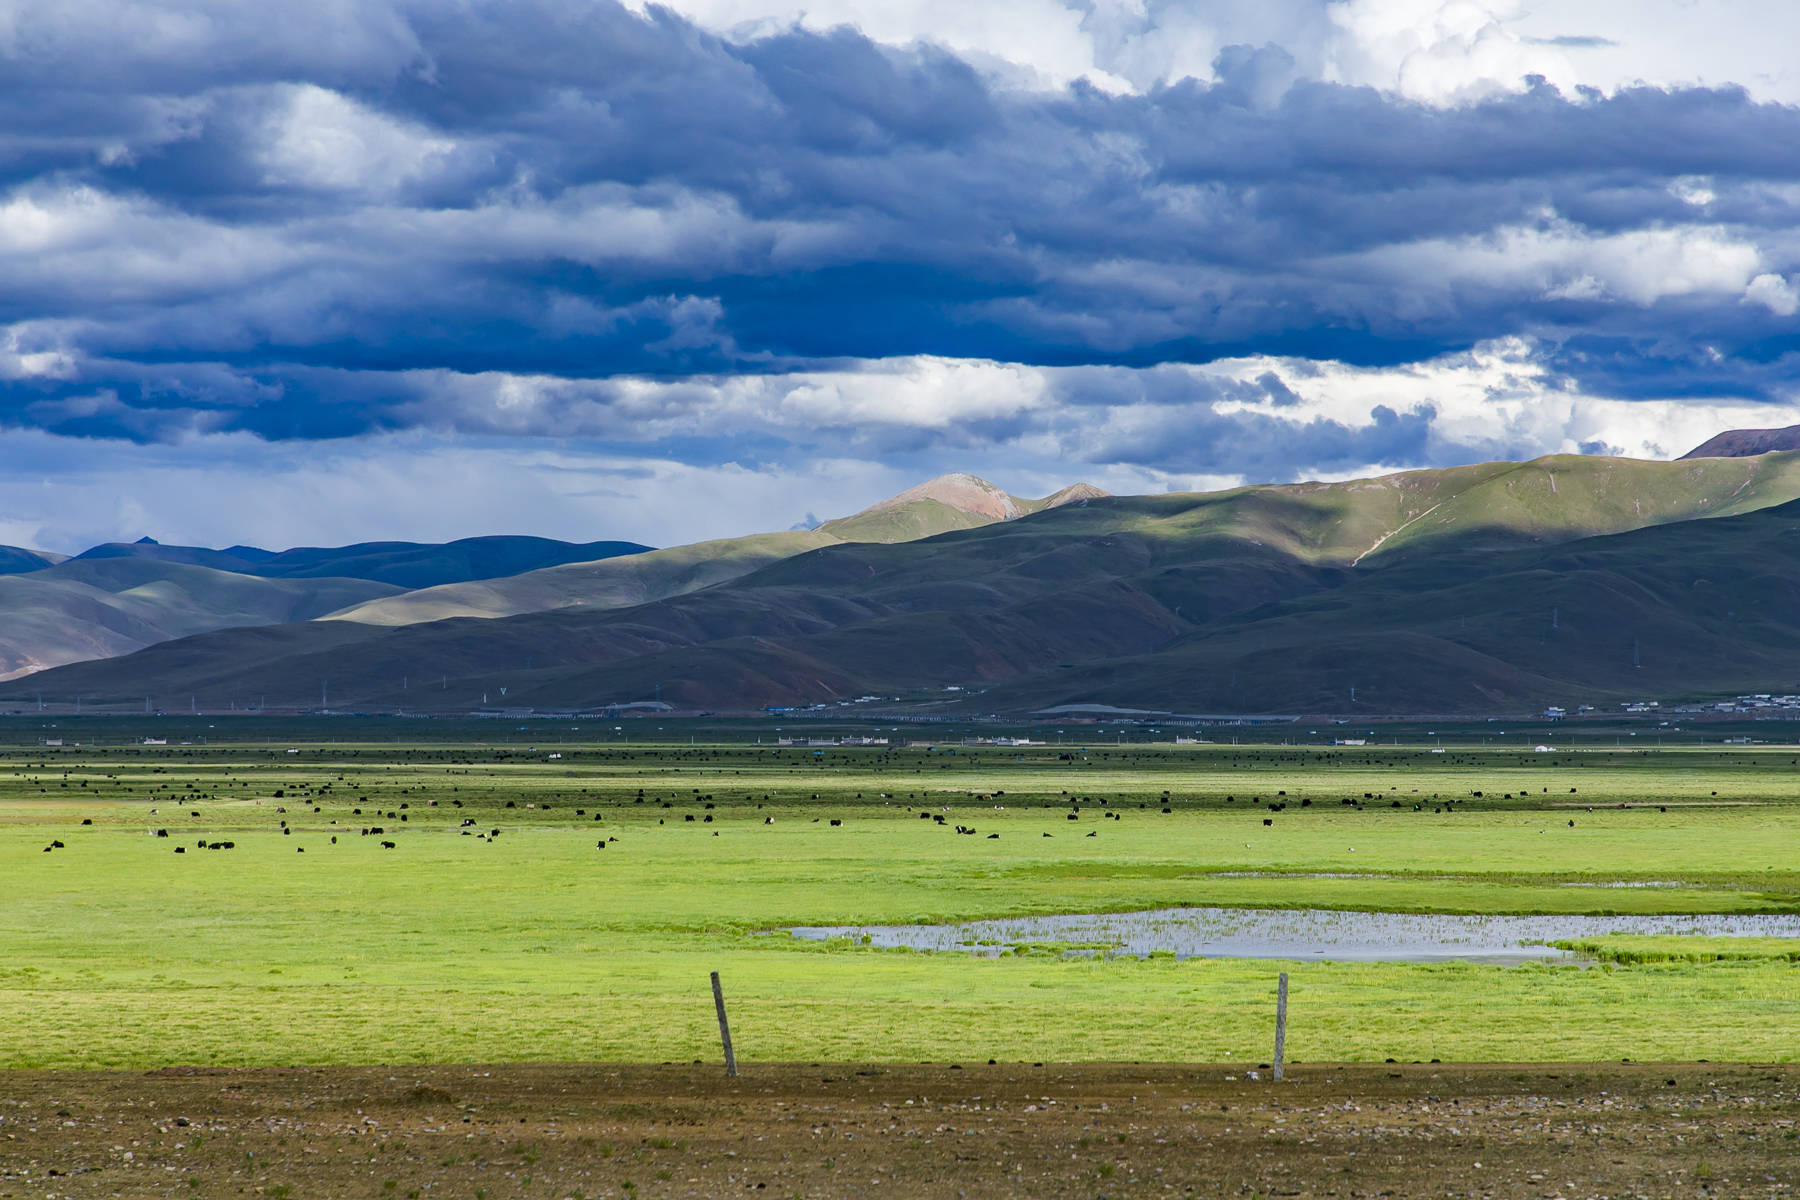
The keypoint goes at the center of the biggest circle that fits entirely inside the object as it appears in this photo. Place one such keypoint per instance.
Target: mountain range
(122, 596)
(1471, 589)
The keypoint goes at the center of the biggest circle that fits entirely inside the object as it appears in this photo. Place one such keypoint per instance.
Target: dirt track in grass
(1091, 1130)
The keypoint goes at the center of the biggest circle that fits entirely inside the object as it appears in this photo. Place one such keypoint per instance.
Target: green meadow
(461, 945)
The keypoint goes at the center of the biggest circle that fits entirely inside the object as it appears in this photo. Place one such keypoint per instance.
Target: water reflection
(1299, 934)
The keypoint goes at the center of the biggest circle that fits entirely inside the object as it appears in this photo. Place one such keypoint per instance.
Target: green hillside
(904, 522)
(1424, 591)
(1681, 610)
(1686, 609)
(943, 505)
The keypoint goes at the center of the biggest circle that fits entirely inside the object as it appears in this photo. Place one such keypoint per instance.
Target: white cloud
(315, 138)
(1028, 41)
(1693, 189)
(1032, 430)
(1438, 51)
(1561, 261)
(923, 392)
(1500, 400)
(1774, 293)
(59, 240)
(23, 357)
(1668, 43)
(153, 42)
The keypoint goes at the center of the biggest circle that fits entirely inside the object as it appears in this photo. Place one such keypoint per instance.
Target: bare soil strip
(1095, 1130)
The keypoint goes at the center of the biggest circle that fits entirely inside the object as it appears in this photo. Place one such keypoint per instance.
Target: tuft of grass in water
(1649, 949)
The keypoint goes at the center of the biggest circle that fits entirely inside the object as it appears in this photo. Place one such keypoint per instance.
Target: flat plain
(479, 919)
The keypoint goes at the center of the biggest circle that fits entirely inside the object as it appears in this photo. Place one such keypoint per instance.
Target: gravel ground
(834, 1130)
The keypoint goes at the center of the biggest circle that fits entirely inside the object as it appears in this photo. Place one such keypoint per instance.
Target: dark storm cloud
(1572, 41)
(275, 219)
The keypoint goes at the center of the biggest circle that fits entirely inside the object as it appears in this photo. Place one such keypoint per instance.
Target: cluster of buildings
(1756, 702)
(1763, 703)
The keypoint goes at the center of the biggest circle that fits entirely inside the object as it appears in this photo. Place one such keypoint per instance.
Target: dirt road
(1570, 1130)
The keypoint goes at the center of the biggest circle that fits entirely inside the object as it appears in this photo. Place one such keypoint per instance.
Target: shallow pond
(1299, 934)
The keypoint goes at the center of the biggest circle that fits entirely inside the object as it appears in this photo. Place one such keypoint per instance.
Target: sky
(366, 269)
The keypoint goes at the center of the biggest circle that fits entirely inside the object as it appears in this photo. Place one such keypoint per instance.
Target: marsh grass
(1636, 950)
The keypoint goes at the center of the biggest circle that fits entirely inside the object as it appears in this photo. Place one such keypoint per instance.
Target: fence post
(1280, 1022)
(725, 1029)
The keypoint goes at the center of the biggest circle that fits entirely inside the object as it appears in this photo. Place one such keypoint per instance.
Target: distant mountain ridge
(91, 608)
(403, 564)
(1744, 443)
(122, 596)
(15, 560)
(1471, 588)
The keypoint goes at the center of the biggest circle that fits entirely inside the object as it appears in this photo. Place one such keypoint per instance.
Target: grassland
(536, 945)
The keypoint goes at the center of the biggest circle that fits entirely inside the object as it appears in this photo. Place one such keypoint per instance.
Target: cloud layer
(736, 235)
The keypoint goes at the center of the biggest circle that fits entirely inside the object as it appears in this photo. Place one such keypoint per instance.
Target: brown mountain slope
(1743, 443)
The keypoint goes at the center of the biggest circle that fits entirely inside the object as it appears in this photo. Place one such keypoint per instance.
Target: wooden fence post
(1280, 1023)
(725, 1029)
